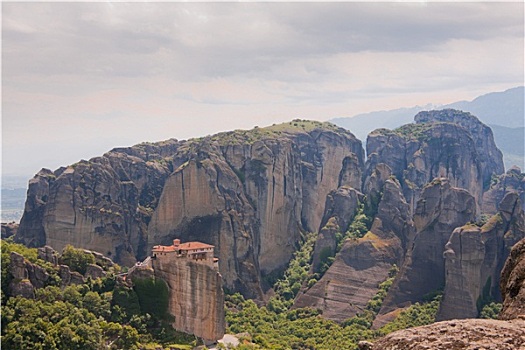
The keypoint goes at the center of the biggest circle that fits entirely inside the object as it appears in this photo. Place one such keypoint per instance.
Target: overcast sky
(81, 78)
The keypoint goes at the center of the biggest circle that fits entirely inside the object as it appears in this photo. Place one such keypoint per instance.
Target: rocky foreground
(467, 334)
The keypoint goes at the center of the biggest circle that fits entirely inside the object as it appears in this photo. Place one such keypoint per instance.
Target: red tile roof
(193, 245)
(182, 246)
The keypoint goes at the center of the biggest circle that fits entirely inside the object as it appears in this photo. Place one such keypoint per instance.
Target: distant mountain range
(502, 111)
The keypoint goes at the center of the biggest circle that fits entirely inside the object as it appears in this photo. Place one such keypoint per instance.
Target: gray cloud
(217, 39)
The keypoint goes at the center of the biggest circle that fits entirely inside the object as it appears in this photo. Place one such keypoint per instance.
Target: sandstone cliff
(363, 263)
(474, 334)
(512, 181)
(249, 193)
(196, 297)
(439, 211)
(103, 204)
(474, 257)
(448, 143)
(512, 283)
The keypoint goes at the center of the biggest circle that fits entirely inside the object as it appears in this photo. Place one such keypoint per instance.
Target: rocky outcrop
(70, 277)
(491, 158)
(249, 193)
(512, 283)
(474, 257)
(439, 144)
(94, 271)
(439, 211)
(103, 204)
(362, 264)
(9, 229)
(340, 208)
(468, 334)
(24, 276)
(196, 297)
(48, 254)
(512, 181)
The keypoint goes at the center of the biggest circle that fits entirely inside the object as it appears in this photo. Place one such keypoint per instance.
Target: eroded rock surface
(362, 264)
(512, 283)
(439, 211)
(512, 181)
(450, 144)
(249, 193)
(470, 334)
(474, 259)
(196, 297)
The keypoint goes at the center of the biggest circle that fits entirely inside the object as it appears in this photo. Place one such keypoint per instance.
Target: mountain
(501, 108)
(511, 142)
(504, 111)
(252, 194)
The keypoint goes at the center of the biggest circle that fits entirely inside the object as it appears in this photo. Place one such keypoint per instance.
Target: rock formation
(439, 211)
(492, 158)
(474, 257)
(196, 297)
(439, 144)
(471, 334)
(340, 208)
(512, 181)
(249, 193)
(512, 283)
(362, 264)
(9, 229)
(24, 277)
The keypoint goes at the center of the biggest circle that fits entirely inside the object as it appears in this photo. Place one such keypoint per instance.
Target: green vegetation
(414, 131)
(291, 329)
(358, 228)
(103, 313)
(306, 329)
(491, 310)
(278, 326)
(77, 259)
(414, 316)
(238, 137)
(295, 276)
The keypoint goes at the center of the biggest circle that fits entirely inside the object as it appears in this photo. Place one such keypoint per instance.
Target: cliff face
(103, 204)
(196, 297)
(491, 157)
(439, 211)
(449, 143)
(363, 263)
(249, 193)
(477, 333)
(512, 283)
(512, 181)
(474, 257)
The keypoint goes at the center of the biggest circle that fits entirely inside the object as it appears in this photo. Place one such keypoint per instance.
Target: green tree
(77, 259)
(153, 296)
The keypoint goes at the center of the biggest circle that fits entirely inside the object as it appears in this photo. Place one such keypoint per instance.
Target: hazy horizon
(81, 78)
